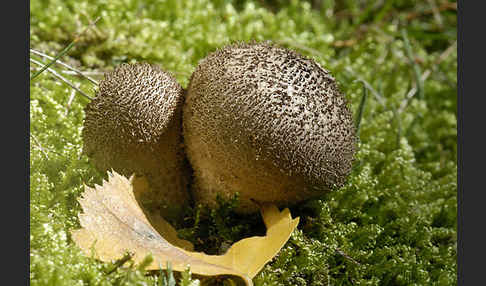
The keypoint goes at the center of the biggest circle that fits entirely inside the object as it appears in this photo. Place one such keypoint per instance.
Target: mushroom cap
(267, 123)
(133, 125)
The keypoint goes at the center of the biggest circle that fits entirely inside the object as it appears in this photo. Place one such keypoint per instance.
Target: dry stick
(65, 50)
(42, 149)
(70, 100)
(436, 12)
(39, 146)
(347, 256)
(73, 93)
(69, 72)
(83, 74)
(62, 79)
(443, 7)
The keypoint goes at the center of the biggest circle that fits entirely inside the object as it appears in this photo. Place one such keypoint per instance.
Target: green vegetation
(393, 223)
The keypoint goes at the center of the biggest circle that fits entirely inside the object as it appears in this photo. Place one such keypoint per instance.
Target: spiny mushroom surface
(267, 123)
(133, 125)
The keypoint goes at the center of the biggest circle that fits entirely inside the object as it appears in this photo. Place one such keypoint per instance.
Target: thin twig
(65, 50)
(344, 43)
(39, 146)
(68, 72)
(83, 74)
(443, 7)
(70, 100)
(347, 256)
(436, 12)
(57, 75)
(43, 149)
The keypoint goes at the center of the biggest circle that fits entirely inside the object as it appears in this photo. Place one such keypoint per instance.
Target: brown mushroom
(133, 125)
(267, 123)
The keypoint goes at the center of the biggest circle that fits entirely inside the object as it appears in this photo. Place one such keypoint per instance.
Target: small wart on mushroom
(267, 123)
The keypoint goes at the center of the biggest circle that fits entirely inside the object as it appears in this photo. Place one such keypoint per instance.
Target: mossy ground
(393, 223)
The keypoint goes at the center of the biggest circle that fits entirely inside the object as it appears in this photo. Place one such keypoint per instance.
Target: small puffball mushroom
(134, 125)
(267, 123)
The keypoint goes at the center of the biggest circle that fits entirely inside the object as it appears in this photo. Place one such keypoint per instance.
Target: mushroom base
(256, 180)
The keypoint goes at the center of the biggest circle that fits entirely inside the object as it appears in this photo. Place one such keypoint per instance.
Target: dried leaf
(140, 185)
(113, 223)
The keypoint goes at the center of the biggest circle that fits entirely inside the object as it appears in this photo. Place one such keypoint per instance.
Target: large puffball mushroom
(267, 123)
(134, 126)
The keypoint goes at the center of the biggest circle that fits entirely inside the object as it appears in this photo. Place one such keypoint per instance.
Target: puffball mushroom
(267, 123)
(133, 125)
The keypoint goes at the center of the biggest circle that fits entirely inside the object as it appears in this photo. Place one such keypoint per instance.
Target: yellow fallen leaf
(113, 223)
(140, 185)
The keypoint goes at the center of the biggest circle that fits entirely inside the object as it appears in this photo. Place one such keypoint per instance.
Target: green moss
(393, 223)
